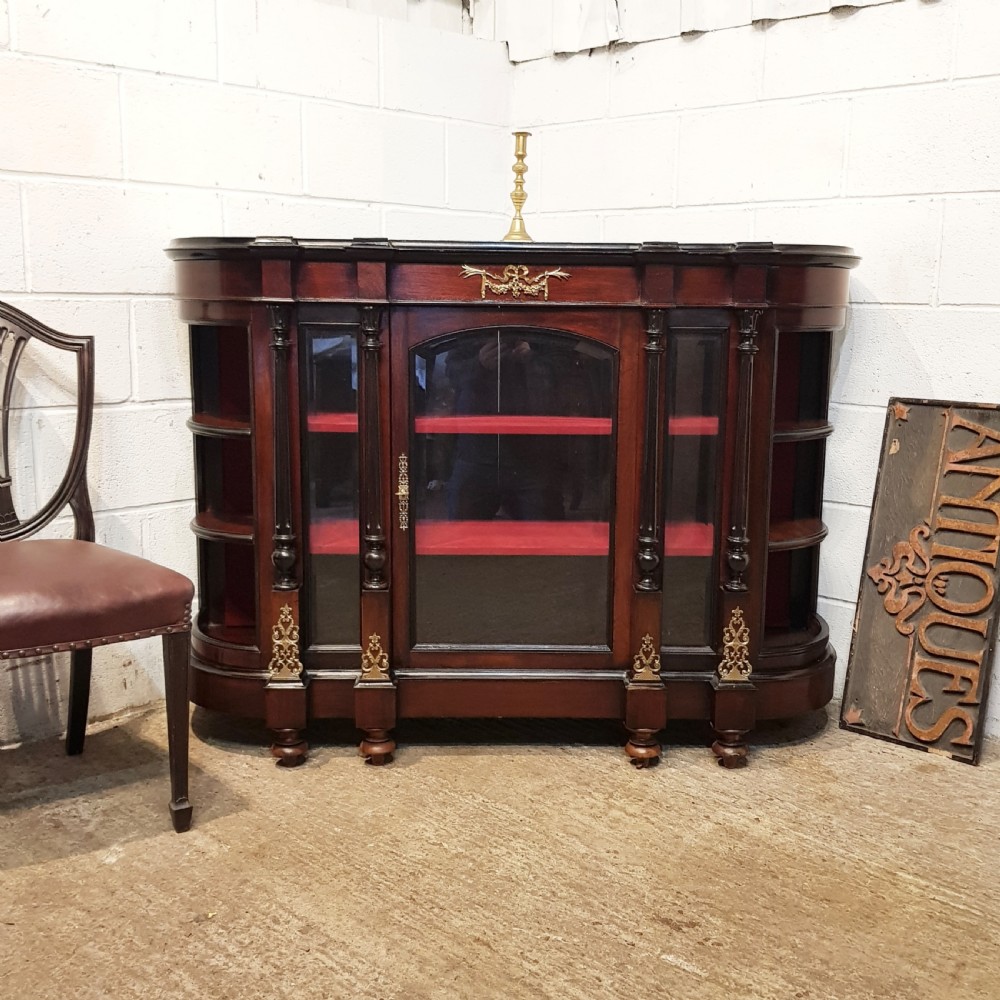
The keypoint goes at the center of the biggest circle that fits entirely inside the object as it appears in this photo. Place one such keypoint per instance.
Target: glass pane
(332, 460)
(511, 488)
(691, 483)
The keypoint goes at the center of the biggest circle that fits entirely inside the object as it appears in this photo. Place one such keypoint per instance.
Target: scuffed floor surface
(499, 860)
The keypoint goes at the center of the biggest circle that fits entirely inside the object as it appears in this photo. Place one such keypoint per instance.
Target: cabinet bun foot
(289, 748)
(642, 749)
(730, 749)
(377, 747)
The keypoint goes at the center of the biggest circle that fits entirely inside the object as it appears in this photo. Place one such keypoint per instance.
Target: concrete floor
(499, 860)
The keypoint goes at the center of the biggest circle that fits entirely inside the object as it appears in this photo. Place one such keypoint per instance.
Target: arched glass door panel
(511, 471)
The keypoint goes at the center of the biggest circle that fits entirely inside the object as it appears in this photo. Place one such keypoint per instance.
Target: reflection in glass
(332, 456)
(511, 488)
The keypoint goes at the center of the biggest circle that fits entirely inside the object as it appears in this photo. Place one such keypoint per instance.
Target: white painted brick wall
(11, 237)
(413, 80)
(127, 123)
(374, 156)
(59, 119)
(326, 52)
(170, 36)
(874, 127)
(208, 135)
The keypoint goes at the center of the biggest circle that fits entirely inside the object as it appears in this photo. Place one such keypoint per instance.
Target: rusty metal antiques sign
(926, 620)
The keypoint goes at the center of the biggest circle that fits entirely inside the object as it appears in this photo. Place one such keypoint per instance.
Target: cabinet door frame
(622, 331)
(311, 317)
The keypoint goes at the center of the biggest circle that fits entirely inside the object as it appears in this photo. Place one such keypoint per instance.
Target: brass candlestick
(517, 232)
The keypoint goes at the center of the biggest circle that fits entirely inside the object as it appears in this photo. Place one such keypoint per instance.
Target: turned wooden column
(375, 688)
(733, 693)
(285, 694)
(645, 694)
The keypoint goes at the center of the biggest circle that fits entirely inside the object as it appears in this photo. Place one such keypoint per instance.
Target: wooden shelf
(347, 423)
(688, 538)
(215, 528)
(334, 537)
(500, 423)
(237, 636)
(803, 430)
(799, 534)
(473, 538)
(693, 426)
(333, 423)
(514, 538)
(208, 425)
(778, 641)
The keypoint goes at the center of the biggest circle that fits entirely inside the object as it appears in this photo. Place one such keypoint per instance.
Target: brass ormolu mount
(517, 231)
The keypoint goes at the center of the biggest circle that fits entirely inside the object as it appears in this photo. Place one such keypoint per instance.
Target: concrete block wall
(874, 128)
(127, 123)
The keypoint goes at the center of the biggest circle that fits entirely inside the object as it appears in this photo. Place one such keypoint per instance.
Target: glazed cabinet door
(514, 450)
(329, 338)
(693, 423)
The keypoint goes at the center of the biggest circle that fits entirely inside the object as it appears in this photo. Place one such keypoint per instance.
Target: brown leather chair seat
(58, 595)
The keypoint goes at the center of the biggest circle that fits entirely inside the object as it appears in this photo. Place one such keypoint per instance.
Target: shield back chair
(70, 595)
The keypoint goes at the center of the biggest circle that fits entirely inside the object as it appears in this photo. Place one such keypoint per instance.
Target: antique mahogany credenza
(493, 479)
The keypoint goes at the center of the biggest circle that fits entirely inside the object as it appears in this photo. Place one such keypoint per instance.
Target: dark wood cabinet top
(420, 251)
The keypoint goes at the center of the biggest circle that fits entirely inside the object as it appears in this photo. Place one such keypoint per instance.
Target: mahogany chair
(69, 595)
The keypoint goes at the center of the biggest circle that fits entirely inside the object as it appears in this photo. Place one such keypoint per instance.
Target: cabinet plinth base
(733, 710)
(377, 747)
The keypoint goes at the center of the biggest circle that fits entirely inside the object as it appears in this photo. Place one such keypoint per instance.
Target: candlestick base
(517, 232)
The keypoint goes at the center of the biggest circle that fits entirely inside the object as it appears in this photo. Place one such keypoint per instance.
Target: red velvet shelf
(333, 423)
(334, 538)
(693, 426)
(347, 423)
(688, 538)
(510, 538)
(499, 423)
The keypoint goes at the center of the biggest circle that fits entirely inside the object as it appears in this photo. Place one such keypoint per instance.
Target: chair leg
(176, 660)
(79, 699)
